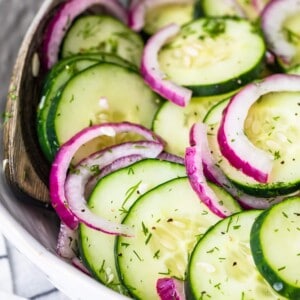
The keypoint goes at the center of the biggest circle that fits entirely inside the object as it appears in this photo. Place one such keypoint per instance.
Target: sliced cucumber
(111, 199)
(56, 79)
(173, 123)
(96, 95)
(214, 114)
(214, 55)
(272, 125)
(94, 33)
(275, 247)
(162, 15)
(221, 265)
(244, 8)
(168, 221)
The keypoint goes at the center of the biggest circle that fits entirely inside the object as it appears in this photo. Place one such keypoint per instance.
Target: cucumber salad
(172, 131)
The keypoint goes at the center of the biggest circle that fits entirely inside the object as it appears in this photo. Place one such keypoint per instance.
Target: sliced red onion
(136, 15)
(67, 242)
(234, 144)
(138, 10)
(119, 163)
(77, 180)
(152, 73)
(122, 162)
(170, 289)
(198, 137)
(171, 157)
(63, 19)
(60, 166)
(77, 263)
(194, 167)
(272, 19)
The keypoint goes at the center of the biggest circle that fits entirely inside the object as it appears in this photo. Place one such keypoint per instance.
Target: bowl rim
(58, 271)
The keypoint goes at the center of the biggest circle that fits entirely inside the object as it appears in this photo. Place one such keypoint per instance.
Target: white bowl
(33, 231)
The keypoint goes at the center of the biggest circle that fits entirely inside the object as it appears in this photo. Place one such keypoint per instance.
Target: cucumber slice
(239, 8)
(221, 265)
(278, 228)
(56, 79)
(173, 123)
(168, 221)
(111, 199)
(214, 114)
(272, 125)
(96, 95)
(94, 33)
(56, 84)
(162, 15)
(214, 55)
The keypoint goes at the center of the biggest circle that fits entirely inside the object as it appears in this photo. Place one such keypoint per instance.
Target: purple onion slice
(62, 161)
(272, 21)
(194, 167)
(198, 135)
(234, 144)
(152, 73)
(63, 19)
(170, 289)
(77, 180)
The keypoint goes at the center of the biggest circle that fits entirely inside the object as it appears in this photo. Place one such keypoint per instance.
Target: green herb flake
(277, 155)
(212, 250)
(165, 273)
(148, 239)
(157, 254)
(214, 27)
(95, 170)
(125, 245)
(130, 171)
(218, 286)
(145, 229)
(137, 255)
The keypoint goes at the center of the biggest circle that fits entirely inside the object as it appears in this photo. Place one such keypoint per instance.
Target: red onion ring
(272, 19)
(198, 136)
(193, 163)
(234, 144)
(63, 19)
(77, 180)
(152, 74)
(170, 289)
(119, 163)
(127, 161)
(77, 263)
(67, 242)
(60, 166)
(136, 15)
(171, 157)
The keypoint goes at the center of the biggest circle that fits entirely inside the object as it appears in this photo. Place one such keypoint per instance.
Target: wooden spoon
(25, 167)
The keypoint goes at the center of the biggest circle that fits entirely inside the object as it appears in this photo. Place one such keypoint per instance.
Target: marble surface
(19, 279)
